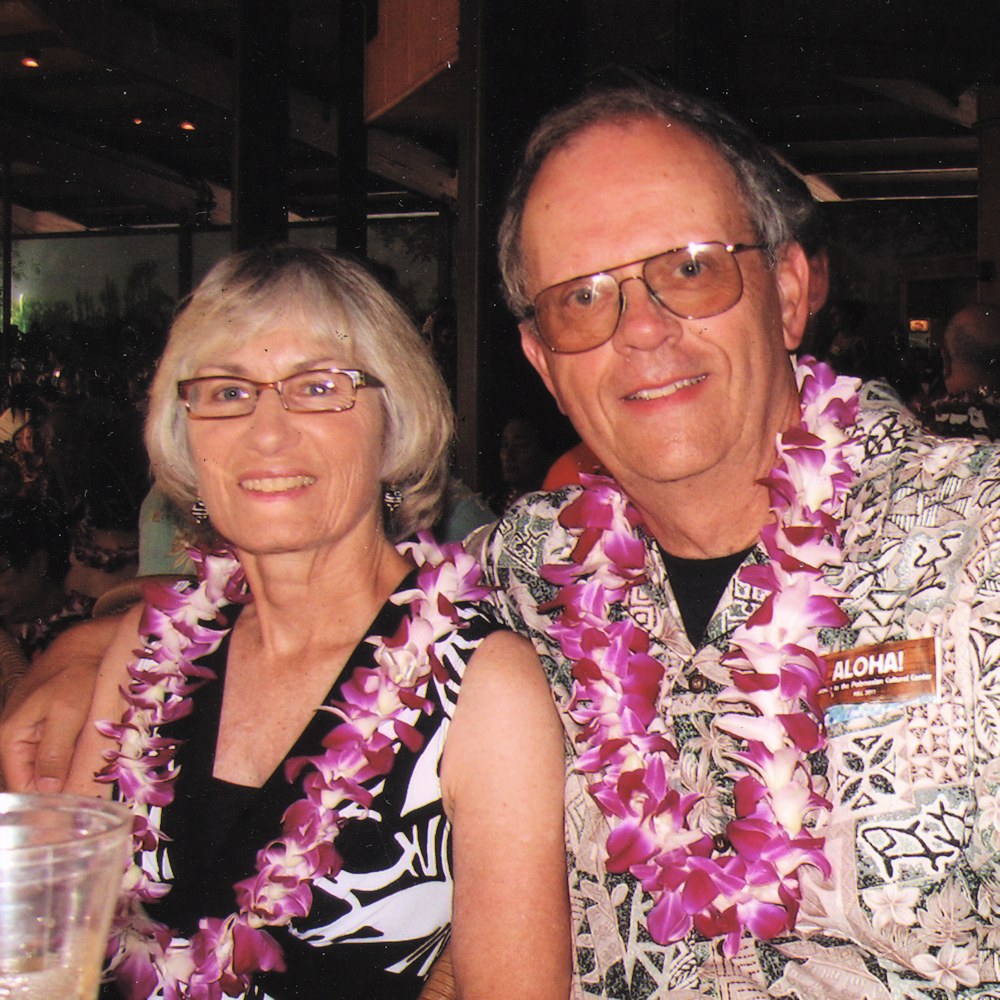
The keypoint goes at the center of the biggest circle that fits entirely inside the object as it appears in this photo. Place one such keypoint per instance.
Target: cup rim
(108, 820)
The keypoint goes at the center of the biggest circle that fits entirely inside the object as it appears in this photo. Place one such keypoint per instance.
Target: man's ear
(793, 291)
(539, 356)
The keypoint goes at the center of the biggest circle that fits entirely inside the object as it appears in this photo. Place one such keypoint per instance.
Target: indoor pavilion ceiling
(867, 100)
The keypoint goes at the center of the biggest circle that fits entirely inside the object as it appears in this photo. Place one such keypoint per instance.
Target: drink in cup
(62, 858)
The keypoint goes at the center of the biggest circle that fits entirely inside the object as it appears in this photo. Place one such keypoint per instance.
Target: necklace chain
(748, 879)
(375, 714)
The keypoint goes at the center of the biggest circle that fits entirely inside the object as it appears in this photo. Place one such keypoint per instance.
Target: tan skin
(320, 568)
(45, 712)
(682, 412)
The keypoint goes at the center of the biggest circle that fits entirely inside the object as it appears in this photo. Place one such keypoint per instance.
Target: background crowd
(72, 479)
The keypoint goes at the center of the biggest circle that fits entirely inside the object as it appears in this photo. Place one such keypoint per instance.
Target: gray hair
(777, 202)
(339, 302)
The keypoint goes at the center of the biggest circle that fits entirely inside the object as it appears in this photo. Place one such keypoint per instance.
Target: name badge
(892, 672)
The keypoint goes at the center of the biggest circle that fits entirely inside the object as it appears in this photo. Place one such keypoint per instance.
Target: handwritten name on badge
(891, 672)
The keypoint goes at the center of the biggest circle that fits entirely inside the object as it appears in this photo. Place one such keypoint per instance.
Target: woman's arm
(502, 778)
(107, 703)
(49, 706)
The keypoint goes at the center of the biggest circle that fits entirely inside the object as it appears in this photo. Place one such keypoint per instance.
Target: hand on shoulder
(48, 708)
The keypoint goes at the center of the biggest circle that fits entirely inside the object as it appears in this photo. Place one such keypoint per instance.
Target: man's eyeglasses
(693, 282)
(331, 390)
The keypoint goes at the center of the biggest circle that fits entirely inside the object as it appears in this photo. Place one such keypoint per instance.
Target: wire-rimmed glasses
(693, 282)
(327, 390)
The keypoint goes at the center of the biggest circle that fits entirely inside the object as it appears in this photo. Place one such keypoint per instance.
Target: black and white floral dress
(375, 930)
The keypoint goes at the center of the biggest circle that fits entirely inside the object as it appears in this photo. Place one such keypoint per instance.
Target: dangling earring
(199, 511)
(392, 497)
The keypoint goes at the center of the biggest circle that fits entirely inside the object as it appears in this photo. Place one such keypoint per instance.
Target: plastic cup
(62, 859)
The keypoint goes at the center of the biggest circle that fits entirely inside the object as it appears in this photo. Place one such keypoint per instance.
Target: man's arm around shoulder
(48, 708)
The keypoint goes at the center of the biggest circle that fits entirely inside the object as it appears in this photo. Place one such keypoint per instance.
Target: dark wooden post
(260, 153)
(518, 59)
(352, 143)
(988, 254)
(7, 241)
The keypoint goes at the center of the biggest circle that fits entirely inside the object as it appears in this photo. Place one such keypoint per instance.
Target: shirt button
(720, 842)
(698, 683)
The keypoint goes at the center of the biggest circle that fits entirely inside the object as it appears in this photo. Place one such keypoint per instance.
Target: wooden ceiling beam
(920, 97)
(24, 221)
(833, 160)
(118, 37)
(28, 41)
(98, 167)
(955, 146)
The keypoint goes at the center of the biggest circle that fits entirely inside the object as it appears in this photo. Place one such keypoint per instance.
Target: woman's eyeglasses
(330, 390)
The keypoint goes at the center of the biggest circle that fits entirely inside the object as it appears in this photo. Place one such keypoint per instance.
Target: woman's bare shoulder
(107, 703)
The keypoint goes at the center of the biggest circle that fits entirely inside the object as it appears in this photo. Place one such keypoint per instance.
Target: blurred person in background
(967, 402)
(524, 460)
(35, 605)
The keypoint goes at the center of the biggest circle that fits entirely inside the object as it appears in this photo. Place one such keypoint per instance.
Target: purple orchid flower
(776, 673)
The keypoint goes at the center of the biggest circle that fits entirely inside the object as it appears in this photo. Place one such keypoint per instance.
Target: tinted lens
(578, 314)
(319, 391)
(694, 282)
(697, 281)
(220, 397)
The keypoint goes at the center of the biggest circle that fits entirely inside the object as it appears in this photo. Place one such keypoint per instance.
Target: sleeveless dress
(375, 930)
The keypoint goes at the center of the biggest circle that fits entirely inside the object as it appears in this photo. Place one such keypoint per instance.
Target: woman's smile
(276, 484)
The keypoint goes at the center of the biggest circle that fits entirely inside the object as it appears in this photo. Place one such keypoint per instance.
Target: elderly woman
(285, 850)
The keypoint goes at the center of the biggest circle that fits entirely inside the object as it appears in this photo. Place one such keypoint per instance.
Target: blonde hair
(340, 303)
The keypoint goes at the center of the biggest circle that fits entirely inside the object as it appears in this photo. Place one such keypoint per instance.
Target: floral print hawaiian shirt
(913, 907)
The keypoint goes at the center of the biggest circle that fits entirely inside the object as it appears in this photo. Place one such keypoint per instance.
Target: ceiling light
(136, 121)
(31, 60)
(187, 126)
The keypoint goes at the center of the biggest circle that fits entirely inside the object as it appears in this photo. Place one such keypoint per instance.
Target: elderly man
(736, 830)
(774, 633)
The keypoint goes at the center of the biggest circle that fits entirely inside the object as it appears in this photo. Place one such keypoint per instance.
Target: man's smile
(662, 391)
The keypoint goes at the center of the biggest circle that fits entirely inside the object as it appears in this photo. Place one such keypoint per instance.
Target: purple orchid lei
(776, 674)
(374, 717)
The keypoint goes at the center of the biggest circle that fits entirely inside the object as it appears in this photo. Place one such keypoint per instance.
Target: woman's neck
(309, 612)
(325, 596)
